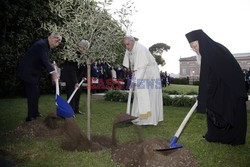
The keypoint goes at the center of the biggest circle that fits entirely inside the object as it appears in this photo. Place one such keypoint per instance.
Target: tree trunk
(88, 99)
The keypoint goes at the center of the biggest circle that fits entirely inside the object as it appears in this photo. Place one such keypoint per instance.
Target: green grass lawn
(182, 89)
(31, 152)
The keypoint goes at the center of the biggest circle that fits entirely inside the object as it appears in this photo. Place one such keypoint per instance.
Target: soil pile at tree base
(142, 153)
(133, 153)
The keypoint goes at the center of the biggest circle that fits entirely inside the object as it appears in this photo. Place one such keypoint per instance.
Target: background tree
(20, 26)
(157, 50)
(89, 20)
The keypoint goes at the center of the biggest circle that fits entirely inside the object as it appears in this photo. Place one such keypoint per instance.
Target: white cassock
(147, 104)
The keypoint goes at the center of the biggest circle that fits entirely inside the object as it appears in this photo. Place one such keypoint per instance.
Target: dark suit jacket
(30, 67)
(71, 73)
(95, 71)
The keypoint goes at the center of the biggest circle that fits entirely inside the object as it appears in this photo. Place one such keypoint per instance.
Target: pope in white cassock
(147, 104)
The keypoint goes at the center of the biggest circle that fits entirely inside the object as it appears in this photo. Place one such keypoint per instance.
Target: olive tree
(90, 20)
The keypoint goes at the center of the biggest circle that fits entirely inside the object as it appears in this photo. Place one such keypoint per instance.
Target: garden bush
(167, 100)
(122, 96)
(196, 83)
(172, 92)
(116, 95)
(182, 81)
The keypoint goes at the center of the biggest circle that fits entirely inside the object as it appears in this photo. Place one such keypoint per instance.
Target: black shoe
(78, 112)
(28, 119)
(203, 137)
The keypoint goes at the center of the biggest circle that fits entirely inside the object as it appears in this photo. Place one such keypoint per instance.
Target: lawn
(27, 151)
(182, 89)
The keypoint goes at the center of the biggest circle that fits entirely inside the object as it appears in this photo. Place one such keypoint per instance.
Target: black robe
(73, 74)
(222, 93)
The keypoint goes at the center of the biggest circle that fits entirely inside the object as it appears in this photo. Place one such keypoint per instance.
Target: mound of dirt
(40, 128)
(134, 153)
(75, 139)
(67, 131)
(142, 153)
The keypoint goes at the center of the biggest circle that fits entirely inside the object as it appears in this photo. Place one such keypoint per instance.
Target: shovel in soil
(63, 107)
(173, 143)
(125, 117)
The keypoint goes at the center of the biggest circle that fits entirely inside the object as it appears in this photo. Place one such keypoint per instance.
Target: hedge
(122, 96)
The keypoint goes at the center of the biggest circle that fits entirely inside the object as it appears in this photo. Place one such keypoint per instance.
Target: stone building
(190, 68)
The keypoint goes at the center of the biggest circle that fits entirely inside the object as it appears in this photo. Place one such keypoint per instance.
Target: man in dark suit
(30, 68)
(72, 74)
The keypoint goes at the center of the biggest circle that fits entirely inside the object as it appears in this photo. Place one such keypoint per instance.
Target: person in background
(72, 74)
(222, 94)
(30, 67)
(147, 104)
(246, 79)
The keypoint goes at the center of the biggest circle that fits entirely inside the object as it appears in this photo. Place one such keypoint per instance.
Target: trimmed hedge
(182, 81)
(174, 92)
(117, 95)
(122, 96)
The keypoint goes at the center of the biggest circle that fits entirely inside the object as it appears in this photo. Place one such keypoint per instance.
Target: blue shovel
(63, 108)
(173, 143)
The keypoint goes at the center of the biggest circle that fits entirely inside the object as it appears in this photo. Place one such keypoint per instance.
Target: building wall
(244, 62)
(190, 68)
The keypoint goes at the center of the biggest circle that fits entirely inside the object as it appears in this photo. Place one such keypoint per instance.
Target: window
(184, 71)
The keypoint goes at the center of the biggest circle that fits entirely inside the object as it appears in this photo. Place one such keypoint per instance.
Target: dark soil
(142, 153)
(134, 153)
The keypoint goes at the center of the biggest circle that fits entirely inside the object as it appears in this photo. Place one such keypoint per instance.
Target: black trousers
(76, 98)
(32, 94)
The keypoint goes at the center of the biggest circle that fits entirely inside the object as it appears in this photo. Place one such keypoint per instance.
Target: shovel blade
(124, 118)
(63, 108)
(167, 149)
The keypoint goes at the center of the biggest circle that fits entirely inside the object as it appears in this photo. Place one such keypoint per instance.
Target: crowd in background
(247, 78)
(165, 78)
(102, 71)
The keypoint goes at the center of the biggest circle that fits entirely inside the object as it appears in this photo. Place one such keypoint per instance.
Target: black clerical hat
(194, 35)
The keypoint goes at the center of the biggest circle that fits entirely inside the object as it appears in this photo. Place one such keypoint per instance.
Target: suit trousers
(32, 94)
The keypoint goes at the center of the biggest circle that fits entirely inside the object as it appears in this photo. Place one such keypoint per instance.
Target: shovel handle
(177, 134)
(70, 98)
(57, 87)
(56, 81)
(129, 100)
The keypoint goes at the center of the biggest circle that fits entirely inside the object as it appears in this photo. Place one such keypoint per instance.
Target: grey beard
(198, 59)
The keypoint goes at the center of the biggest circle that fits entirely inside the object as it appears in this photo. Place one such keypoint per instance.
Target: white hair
(56, 35)
(84, 43)
(129, 37)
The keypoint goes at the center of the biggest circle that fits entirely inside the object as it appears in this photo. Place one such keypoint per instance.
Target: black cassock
(222, 94)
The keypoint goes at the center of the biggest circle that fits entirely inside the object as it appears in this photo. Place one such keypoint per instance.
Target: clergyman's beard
(198, 59)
